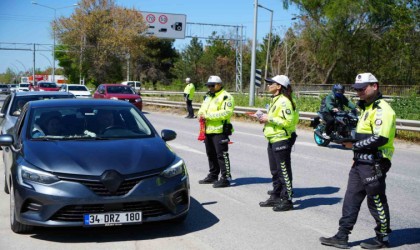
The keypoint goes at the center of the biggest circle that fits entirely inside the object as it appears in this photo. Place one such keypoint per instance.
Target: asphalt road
(230, 218)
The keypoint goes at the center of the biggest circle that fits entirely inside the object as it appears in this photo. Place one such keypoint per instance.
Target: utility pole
(253, 55)
(54, 28)
(269, 43)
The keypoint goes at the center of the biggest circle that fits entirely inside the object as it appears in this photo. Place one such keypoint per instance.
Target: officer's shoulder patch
(378, 122)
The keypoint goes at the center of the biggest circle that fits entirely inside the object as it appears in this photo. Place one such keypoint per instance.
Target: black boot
(271, 202)
(221, 183)
(336, 241)
(376, 243)
(208, 180)
(284, 205)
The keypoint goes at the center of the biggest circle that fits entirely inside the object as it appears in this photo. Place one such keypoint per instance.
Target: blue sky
(23, 22)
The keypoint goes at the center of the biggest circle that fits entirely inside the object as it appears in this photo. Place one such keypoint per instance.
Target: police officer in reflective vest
(372, 159)
(217, 108)
(189, 91)
(279, 125)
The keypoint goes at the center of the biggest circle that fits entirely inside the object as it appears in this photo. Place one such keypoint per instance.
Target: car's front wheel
(15, 225)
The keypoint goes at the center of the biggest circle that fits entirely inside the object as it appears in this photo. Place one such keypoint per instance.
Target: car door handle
(7, 149)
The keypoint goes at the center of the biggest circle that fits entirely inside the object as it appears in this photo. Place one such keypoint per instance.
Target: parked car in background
(80, 91)
(13, 105)
(118, 92)
(136, 85)
(4, 89)
(78, 174)
(23, 87)
(44, 86)
(12, 87)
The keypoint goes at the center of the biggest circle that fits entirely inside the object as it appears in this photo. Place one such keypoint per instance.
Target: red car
(44, 86)
(118, 92)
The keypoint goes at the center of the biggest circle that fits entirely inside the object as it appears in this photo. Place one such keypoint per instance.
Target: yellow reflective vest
(216, 110)
(375, 121)
(189, 90)
(282, 119)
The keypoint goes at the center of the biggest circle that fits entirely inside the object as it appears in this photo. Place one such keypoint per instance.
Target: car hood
(128, 156)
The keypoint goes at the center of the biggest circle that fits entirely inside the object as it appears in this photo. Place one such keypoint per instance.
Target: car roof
(113, 84)
(43, 93)
(78, 102)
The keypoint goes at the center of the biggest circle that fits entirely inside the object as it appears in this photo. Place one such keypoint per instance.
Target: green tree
(101, 34)
(342, 38)
(189, 63)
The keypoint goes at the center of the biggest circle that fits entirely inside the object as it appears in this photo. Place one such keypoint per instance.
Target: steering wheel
(112, 127)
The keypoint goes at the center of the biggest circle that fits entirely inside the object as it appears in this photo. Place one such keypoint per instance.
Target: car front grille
(100, 189)
(75, 213)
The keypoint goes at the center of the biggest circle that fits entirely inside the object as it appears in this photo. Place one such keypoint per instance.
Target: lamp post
(269, 42)
(55, 19)
(47, 59)
(254, 45)
(22, 65)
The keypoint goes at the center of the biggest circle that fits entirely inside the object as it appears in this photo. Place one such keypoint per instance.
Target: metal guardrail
(404, 125)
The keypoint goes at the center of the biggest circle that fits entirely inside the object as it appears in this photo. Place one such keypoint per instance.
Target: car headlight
(138, 100)
(27, 174)
(113, 98)
(174, 170)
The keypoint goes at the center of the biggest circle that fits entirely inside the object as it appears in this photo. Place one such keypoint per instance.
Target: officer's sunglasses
(211, 86)
(361, 89)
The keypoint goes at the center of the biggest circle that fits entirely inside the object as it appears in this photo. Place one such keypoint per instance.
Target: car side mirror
(2, 115)
(168, 135)
(6, 140)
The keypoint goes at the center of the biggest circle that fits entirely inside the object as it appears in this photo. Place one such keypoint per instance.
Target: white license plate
(109, 219)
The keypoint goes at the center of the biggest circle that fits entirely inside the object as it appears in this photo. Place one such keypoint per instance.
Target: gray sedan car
(14, 103)
(90, 162)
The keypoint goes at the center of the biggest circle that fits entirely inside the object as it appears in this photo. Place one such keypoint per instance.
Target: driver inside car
(105, 120)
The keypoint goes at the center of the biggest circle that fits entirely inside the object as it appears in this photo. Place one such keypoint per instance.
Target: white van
(136, 85)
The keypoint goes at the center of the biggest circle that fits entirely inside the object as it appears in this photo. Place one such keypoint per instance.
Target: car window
(120, 90)
(76, 123)
(6, 104)
(20, 101)
(78, 88)
(47, 85)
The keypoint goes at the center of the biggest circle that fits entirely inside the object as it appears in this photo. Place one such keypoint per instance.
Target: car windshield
(84, 123)
(20, 101)
(47, 85)
(78, 88)
(24, 85)
(120, 90)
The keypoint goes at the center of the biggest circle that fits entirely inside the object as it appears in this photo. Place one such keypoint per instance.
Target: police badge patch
(229, 104)
(378, 122)
(288, 111)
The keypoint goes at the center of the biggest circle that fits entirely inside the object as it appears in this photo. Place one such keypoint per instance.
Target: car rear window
(120, 90)
(78, 88)
(47, 85)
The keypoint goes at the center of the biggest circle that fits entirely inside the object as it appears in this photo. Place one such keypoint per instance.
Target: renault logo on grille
(112, 180)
